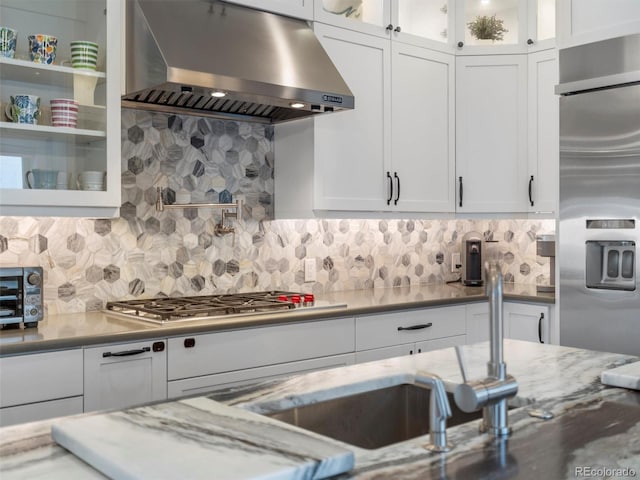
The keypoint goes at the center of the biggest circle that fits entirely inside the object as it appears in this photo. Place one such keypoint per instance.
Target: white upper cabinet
(424, 23)
(352, 148)
(585, 21)
(491, 133)
(422, 161)
(292, 8)
(394, 152)
(543, 131)
(504, 26)
(40, 162)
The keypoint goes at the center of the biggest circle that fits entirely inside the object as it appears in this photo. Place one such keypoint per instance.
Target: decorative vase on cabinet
(82, 135)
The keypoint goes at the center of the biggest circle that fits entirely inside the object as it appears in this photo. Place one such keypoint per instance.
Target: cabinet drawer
(386, 329)
(40, 376)
(40, 411)
(208, 383)
(240, 349)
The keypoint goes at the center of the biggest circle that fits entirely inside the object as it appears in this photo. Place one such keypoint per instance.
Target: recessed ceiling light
(218, 94)
(297, 105)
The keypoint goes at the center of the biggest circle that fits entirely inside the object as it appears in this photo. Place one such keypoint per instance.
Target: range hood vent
(270, 68)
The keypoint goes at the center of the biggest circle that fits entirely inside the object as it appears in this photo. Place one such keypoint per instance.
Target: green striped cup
(84, 54)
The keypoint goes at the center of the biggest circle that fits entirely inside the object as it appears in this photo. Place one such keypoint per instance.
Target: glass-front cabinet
(60, 107)
(463, 26)
(504, 26)
(418, 22)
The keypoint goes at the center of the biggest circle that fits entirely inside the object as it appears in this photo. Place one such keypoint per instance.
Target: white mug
(91, 180)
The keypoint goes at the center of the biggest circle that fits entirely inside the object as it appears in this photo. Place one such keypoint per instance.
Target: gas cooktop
(164, 309)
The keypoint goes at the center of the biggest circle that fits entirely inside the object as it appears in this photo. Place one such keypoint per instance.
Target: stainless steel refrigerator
(599, 229)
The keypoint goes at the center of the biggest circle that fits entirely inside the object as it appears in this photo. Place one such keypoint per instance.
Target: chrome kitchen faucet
(492, 392)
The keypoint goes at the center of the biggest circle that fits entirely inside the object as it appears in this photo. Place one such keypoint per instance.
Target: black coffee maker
(473, 257)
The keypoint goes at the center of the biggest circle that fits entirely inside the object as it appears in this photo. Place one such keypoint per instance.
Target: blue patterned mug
(42, 48)
(23, 109)
(8, 39)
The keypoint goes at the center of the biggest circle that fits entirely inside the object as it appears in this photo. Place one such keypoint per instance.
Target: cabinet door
(351, 147)
(366, 16)
(425, 23)
(543, 106)
(423, 123)
(474, 33)
(477, 319)
(122, 375)
(491, 133)
(208, 383)
(292, 8)
(527, 322)
(55, 153)
(33, 412)
(585, 21)
(40, 376)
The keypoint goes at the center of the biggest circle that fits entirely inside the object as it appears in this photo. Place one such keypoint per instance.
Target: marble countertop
(594, 426)
(93, 328)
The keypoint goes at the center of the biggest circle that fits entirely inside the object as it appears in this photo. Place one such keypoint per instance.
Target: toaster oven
(20, 296)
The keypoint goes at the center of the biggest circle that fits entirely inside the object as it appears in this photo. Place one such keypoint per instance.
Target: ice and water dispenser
(610, 264)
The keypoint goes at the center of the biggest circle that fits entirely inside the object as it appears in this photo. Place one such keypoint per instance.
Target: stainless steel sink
(372, 419)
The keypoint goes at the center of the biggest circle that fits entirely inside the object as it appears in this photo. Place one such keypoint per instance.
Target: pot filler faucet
(492, 392)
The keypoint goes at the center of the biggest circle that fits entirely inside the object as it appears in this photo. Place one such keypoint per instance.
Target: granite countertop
(594, 426)
(92, 328)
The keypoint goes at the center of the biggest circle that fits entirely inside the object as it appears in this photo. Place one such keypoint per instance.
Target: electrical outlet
(309, 269)
(455, 261)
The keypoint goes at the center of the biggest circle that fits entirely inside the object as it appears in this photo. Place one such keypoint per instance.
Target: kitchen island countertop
(77, 330)
(594, 426)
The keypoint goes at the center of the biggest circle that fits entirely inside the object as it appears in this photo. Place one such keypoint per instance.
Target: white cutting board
(197, 439)
(626, 376)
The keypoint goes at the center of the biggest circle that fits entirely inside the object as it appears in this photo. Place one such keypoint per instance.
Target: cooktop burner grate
(166, 309)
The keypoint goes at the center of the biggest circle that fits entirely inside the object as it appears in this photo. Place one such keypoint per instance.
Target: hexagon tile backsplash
(146, 253)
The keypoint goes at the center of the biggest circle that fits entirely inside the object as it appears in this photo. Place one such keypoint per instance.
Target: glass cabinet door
(490, 22)
(545, 16)
(428, 19)
(368, 16)
(59, 155)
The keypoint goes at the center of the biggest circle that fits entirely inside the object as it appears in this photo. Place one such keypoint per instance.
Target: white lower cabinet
(125, 374)
(40, 386)
(240, 356)
(207, 383)
(406, 332)
(522, 321)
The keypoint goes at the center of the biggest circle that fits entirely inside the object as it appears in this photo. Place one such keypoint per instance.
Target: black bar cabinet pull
(540, 327)
(416, 327)
(390, 188)
(395, 175)
(531, 190)
(126, 353)
(460, 183)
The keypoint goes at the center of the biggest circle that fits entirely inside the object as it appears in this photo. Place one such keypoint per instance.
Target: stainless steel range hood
(180, 53)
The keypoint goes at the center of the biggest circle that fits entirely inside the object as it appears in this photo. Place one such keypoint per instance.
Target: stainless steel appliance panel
(600, 219)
